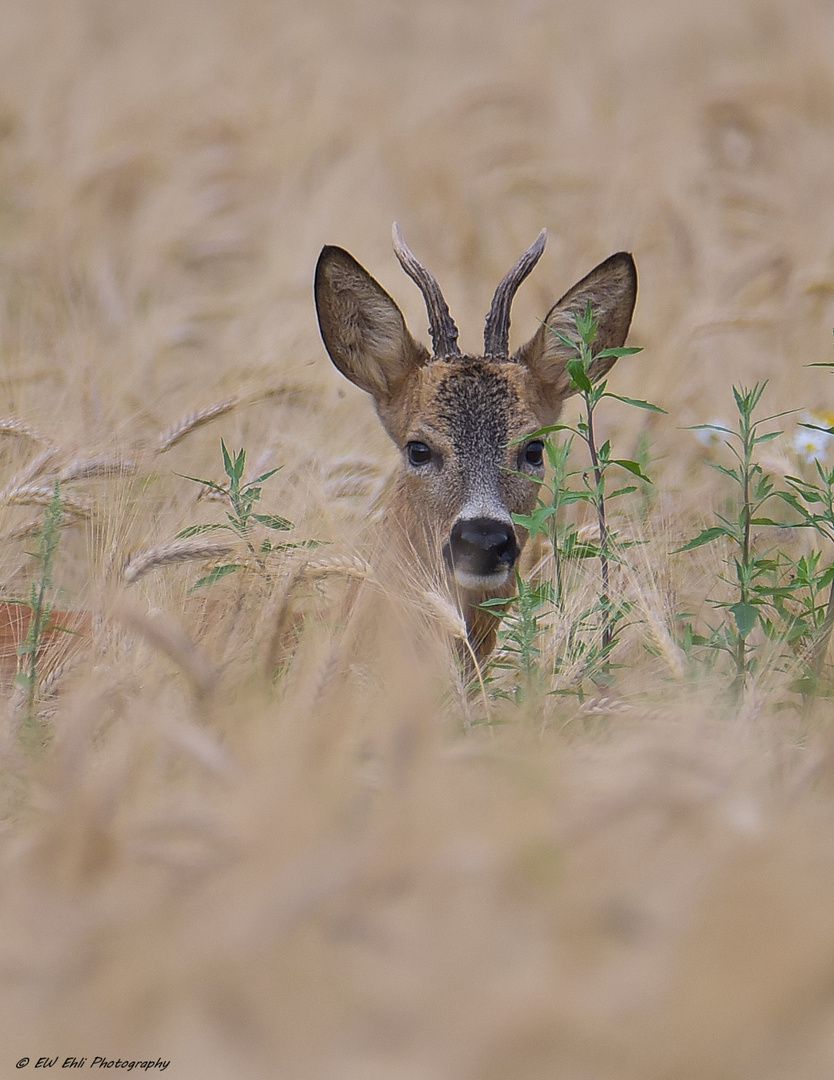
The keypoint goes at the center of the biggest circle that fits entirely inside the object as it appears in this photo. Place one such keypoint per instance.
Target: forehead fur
(471, 401)
(475, 403)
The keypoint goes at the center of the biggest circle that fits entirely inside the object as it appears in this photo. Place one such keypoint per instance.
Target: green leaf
(539, 433)
(632, 467)
(273, 521)
(580, 549)
(534, 523)
(210, 484)
(732, 473)
(705, 537)
(215, 575)
(578, 376)
(709, 427)
(228, 464)
(586, 324)
(498, 601)
(636, 402)
(745, 617)
(569, 343)
(625, 350)
(198, 530)
(264, 476)
(568, 497)
(233, 465)
(297, 545)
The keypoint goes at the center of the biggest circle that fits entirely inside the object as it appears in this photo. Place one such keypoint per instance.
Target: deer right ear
(362, 328)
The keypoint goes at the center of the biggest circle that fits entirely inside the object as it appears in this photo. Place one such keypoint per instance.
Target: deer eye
(418, 453)
(533, 453)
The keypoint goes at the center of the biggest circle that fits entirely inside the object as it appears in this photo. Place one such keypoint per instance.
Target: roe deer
(457, 418)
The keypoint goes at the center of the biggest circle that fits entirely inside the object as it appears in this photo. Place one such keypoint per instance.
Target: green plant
(594, 631)
(521, 632)
(241, 518)
(811, 581)
(40, 602)
(756, 575)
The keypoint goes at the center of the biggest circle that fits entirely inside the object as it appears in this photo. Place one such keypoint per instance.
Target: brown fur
(470, 410)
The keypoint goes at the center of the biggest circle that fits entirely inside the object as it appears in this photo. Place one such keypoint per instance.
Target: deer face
(464, 425)
(462, 476)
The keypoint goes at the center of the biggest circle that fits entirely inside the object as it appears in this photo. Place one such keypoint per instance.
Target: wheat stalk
(39, 495)
(279, 617)
(89, 468)
(24, 532)
(173, 551)
(349, 566)
(165, 634)
(192, 421)
(36, 467)
(444, 611)
(12, 425)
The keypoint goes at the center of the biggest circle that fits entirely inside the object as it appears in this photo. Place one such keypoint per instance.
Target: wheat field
(341, 871)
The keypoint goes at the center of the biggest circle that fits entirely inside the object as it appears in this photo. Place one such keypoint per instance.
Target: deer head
(461, 422)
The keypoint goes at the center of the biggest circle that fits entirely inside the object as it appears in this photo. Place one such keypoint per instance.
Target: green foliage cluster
(777, 608)
(241, 500)
(40, 607)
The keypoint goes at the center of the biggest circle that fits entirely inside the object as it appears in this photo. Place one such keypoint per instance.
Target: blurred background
(336, 883)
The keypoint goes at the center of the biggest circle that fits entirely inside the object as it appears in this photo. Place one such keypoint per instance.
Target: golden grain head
(174, 551)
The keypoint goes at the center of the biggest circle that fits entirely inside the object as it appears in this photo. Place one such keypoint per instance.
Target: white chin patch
(481, 581)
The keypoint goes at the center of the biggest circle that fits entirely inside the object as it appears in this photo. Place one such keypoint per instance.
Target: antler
(497, 328)
(444, 333)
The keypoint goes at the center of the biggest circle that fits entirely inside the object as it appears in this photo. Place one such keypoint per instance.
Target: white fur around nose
(484, 506)
(475, 582)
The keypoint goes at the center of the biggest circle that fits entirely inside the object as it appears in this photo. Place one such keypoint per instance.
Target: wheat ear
(193, 421)
(174, 551)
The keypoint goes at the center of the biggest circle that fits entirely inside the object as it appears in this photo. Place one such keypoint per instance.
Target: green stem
(599, 500)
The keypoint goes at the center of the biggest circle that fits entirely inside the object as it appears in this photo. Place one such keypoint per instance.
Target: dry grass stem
(279, 617)
(164, 633)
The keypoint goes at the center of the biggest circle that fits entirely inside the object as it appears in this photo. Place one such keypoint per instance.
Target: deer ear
(362, 328)
(611, 289)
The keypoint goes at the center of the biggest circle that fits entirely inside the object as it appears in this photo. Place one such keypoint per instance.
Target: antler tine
(497, 328)
(444, 333)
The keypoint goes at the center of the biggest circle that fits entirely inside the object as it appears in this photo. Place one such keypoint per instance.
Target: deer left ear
(611, 290)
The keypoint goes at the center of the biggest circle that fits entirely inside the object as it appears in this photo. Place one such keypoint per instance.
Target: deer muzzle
(481, 552)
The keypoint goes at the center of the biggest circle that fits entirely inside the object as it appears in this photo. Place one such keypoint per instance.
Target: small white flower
(810, 443)
(714, 433)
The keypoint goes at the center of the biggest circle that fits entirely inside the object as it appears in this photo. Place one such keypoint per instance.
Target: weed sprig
(241, 500)
(40, 602)
(594, 632)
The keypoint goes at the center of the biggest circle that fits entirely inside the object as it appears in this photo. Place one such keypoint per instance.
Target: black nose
(483, 546)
